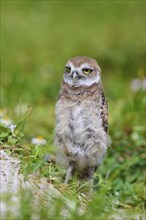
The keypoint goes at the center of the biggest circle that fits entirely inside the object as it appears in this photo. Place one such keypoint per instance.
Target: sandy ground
(11, 181)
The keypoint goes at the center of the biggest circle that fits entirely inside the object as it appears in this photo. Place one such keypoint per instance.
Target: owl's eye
(67, 69)
(87, 71)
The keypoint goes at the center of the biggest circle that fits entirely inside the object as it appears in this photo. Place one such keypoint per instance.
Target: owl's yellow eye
(67, 69)
(87, 71)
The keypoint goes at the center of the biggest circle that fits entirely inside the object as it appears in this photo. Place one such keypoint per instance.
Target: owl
(81, 119)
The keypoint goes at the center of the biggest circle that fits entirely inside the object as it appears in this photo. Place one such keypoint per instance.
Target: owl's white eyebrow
(86, 65)
(71, 65)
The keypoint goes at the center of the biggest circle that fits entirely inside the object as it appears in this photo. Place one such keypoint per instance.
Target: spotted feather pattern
(104, 112)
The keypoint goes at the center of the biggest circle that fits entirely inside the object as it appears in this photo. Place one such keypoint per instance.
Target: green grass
(37, 38)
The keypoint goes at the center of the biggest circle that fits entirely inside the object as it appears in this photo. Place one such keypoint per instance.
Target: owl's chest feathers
(79, 111)
(78, 122)
(79, 127)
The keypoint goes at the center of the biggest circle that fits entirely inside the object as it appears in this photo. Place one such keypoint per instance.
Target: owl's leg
(69, 171)
(90, 177)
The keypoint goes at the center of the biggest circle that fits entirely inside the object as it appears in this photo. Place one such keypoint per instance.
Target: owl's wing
(104, 112)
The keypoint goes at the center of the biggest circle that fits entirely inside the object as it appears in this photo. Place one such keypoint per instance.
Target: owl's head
(81, 71)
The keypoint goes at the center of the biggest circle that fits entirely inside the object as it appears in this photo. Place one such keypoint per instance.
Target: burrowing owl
(82, 118)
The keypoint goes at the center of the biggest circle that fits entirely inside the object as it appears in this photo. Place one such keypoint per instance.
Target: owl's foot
(69, 172)
(91, 181)
(86, 180)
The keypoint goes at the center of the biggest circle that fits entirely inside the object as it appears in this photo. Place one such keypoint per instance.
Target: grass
(37, 39)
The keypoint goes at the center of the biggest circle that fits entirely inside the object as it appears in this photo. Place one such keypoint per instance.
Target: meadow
(37, 38)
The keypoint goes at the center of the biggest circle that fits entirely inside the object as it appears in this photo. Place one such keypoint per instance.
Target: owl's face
(81, 71)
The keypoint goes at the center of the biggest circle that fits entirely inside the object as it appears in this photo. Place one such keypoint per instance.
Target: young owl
(82, 118)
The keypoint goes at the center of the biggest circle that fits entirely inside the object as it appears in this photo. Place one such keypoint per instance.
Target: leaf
(22, 120)
(126, 206)
(38, 165)
(4, 135)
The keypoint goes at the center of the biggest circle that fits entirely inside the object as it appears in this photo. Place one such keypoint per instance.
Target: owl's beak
(75, 76)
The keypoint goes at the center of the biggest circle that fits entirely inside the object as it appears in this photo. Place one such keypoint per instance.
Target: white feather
(86, 82)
